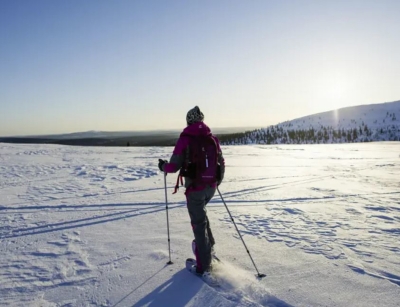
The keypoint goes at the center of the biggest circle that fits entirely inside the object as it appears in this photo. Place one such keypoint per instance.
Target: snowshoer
(198, 157)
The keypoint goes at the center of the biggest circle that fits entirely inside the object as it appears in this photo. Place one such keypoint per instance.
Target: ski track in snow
(63, 262)
(341, 204)
(50, 180)
(363, 229)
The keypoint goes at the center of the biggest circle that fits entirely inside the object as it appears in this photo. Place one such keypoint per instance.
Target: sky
(70, 66)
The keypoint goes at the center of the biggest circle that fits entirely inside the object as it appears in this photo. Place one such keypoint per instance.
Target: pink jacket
(178, 156)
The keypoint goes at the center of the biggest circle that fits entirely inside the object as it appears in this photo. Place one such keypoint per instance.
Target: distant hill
(365, 123)
(106, 138)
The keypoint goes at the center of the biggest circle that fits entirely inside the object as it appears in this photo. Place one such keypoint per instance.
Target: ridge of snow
(375, 122)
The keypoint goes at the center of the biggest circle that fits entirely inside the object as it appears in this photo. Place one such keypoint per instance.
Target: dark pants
(196, 204)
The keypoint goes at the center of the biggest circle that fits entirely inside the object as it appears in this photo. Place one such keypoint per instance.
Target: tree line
(280, 135)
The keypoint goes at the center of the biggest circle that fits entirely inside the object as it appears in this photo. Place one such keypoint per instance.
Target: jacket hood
(199, 128)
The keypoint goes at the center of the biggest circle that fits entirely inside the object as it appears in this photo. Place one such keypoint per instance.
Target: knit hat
(194, 115)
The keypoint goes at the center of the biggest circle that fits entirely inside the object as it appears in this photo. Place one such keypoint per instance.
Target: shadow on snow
(80, 222)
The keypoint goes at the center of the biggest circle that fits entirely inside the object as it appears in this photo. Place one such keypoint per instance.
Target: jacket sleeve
(178, 156)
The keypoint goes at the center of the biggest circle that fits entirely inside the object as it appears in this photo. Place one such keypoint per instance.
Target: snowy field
(86, 226)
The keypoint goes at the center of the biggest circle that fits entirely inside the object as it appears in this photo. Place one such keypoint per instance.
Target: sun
(331, 89)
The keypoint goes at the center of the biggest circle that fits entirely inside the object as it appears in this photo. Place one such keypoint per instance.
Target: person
(199, 189)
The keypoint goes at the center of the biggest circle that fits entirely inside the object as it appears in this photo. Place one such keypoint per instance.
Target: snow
(374, 116)
(86, 226)
(365, 123)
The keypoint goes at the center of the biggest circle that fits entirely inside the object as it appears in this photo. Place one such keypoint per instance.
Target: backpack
(201, 161)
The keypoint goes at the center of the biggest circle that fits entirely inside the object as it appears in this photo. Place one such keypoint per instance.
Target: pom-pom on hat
(194, 115)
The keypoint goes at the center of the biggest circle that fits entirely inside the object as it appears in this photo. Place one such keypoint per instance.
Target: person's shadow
(177, 291)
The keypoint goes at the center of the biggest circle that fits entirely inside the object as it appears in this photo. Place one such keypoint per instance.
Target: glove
(161, 164)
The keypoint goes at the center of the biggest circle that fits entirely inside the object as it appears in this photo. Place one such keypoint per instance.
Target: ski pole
(247, 250)
(166, 206)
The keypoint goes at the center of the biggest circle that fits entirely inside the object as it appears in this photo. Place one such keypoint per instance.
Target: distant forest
(143, 140)
(272, 135)
(324, 135)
